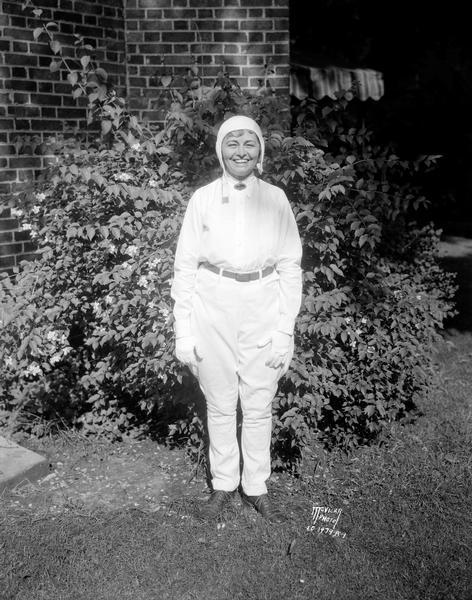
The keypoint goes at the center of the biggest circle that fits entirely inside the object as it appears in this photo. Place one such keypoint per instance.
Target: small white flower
(97, 309)
(136, 147)
(143, 282)
(123, 177)
(131, 250)
(41, 196)
(370, 349)
(9, 361)
(111, 248)
(154, 262)
(52, 336)
(353, 344)
(418, 297)
(363, 320)
(348, 320)
(36, 209)
(55, 358)
(26, 226)
(16, 212)
(165, 312)
(33, 369)
(109, 299)
(153, 183)
(358, 331)
(397, 294)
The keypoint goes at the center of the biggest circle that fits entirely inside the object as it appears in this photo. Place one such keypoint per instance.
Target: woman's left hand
(279, 350)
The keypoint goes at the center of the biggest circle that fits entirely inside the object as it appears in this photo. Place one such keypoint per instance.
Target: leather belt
(252, 276)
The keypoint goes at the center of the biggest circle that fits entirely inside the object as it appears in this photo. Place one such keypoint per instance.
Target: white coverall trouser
(230, 319)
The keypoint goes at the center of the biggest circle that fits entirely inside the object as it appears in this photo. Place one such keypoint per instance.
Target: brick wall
(163, 37)
(166, 37)
(37, 103)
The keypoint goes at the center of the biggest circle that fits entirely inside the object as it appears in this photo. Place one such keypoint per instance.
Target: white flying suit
(232, 321)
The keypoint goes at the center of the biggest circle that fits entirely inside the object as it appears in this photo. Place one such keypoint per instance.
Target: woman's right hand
(186, 352)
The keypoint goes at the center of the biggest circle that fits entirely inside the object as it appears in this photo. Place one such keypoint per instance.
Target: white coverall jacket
(232, 321)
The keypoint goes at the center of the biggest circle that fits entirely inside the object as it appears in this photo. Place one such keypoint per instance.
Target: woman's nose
(241, 151)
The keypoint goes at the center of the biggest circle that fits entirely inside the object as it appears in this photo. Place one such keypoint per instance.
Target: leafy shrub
(87, 328)
(375, 296)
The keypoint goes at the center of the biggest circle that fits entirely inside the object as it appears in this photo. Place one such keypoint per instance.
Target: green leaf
(336, 269)
(55, 46)
(37, 31)
(72, 77)
(55, 65)
(106, 127)
(163, 168)
(84, 61)
(101, 73)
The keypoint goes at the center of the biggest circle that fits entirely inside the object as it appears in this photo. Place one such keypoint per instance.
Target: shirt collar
(232, 181)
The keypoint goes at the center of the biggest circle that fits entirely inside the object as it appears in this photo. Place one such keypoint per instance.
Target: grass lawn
(406, 515)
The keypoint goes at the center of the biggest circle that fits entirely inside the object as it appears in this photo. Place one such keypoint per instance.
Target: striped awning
(315, 82)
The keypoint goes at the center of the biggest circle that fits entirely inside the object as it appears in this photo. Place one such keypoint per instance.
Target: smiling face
(240, 151)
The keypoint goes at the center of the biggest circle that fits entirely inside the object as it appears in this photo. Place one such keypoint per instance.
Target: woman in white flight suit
(237, 291)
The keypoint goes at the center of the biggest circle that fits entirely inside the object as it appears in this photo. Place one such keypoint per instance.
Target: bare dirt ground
(86, 475)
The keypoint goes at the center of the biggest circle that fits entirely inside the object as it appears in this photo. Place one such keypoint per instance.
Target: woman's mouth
(240, 161)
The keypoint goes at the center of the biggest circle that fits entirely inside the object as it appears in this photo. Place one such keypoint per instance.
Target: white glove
(279, 350)
(186, 352)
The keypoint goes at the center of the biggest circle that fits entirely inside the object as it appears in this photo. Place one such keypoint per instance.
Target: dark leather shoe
(263, 506)
(216, 503)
